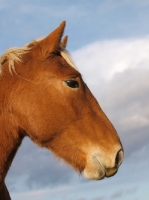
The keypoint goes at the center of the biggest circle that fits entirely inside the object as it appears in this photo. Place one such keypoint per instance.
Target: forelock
(68, 58)
(15, 55)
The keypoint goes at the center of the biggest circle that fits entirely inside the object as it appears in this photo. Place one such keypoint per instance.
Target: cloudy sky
(109, 42)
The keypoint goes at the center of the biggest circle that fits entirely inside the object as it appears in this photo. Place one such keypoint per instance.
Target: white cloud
(135, 121)
(102, 60)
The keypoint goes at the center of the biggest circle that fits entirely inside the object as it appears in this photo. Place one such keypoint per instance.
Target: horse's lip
(114, 171)
(108, 172)
(96, 157)
(101, 166)
(94, 170)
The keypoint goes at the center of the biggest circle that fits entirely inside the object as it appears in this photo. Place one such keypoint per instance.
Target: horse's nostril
(119, 158)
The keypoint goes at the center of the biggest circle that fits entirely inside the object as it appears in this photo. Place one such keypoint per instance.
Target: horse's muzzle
(98, 167)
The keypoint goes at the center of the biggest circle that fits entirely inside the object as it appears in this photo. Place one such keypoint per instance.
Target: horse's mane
(14, 54)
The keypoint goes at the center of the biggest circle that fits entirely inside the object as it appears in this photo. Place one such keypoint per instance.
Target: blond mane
(14, 54)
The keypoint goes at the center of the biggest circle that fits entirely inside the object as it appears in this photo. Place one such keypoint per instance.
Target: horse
(43, 96)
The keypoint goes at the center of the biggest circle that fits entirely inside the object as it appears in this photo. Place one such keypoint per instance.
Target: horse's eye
(72, 83)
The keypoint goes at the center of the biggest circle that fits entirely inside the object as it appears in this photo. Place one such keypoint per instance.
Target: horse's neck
(10, 140)
(4, 194)
(9, 143)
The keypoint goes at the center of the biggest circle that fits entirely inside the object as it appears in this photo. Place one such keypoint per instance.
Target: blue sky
(109, 42)
(86, 21)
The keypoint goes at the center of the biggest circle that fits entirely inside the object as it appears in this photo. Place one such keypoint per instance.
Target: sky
(109, 42)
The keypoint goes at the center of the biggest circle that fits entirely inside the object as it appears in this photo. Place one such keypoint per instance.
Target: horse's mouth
(96, 171)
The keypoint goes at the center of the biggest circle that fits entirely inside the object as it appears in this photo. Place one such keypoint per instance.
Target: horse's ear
(64, 42)
(52, 41)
